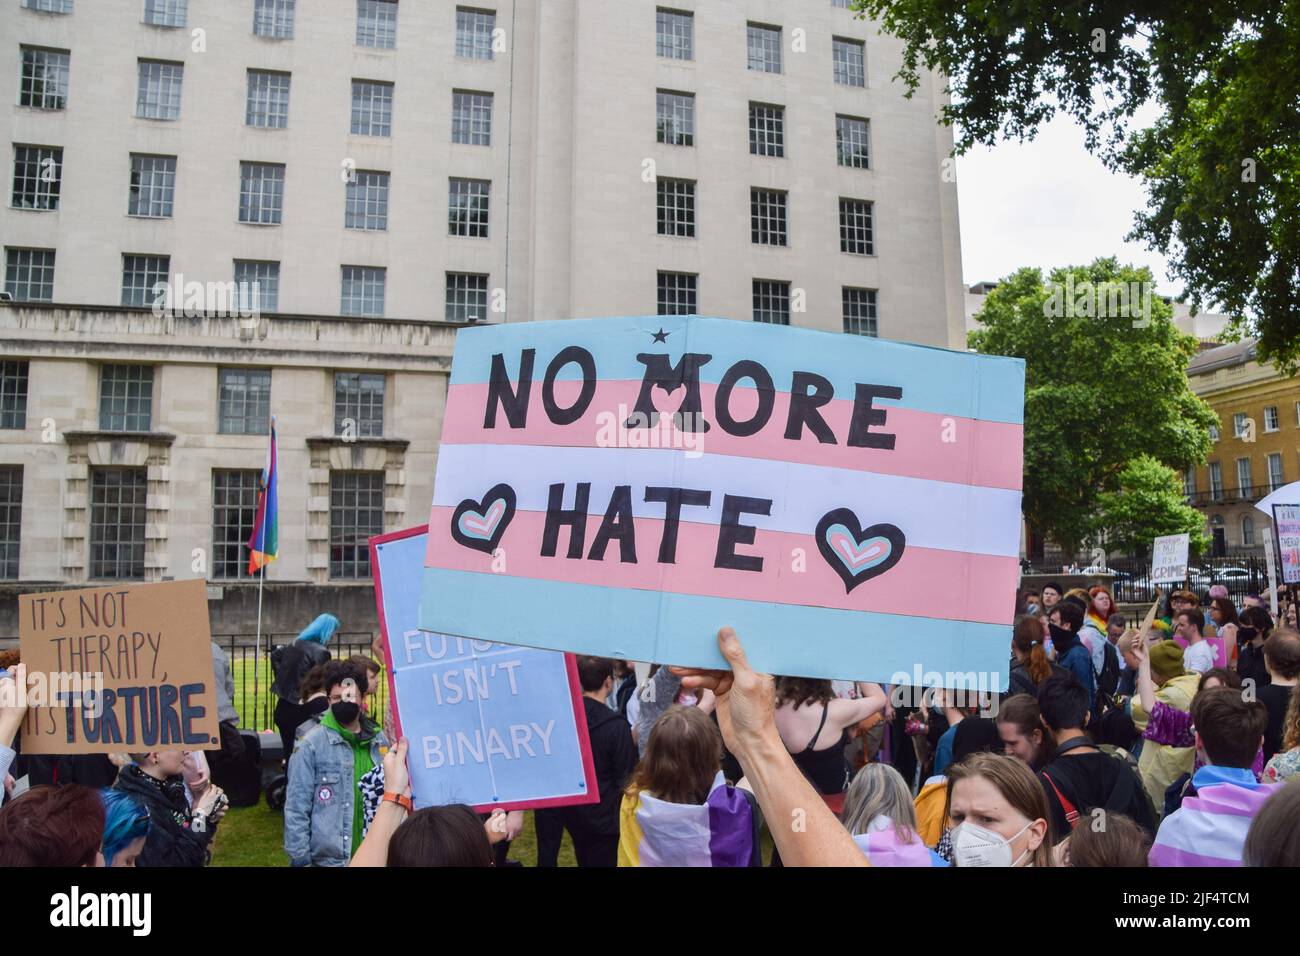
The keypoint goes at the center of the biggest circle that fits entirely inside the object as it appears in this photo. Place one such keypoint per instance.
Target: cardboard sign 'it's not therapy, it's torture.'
(118, 669)
(624, 487)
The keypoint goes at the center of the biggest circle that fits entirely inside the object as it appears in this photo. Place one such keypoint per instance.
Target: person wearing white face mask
(998, 813)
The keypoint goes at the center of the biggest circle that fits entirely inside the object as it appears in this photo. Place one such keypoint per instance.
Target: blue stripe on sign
(778, 639)
(941, 381)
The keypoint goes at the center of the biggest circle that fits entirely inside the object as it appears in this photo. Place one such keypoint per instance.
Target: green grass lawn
(254, 836)
(252, 717)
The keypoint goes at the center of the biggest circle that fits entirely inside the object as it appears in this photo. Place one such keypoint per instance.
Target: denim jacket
(318, 806)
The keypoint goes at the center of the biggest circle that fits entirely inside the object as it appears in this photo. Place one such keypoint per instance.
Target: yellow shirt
(1161, 764)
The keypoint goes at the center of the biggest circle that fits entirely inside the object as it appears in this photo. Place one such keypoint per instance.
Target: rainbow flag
(265, 541)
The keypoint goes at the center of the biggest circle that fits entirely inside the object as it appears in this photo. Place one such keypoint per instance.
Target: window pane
(38, 174)
(356, 515)
(261, 193)
(244, 401)
(852, 142)
(372, 108)
(126, 398)
(849, 59)
(677, 293)
(234, 509)
(377, 23)
(466, 299)
(674, 34)
(29, 274)
(49, 6)
(158, 95)
(144, 279)
(153, 186)
(767, 211)
(165, 13)
(471, 118)
(675, 207)
(13, 394)
(359, 404)
(43, 82)
(468, 207)
(273, 18)
(859, 311)
(258, 285)
(675, 118)
(771, 302)
(117, 523)
(363, 290)
(474, 33)
(11, 519)
(855, 227)
(766, 130)
(764, 48)
(268, 99)
(367, 201)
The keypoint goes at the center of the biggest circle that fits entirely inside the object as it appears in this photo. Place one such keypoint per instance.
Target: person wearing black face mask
(1251, 634)
(335, 775)
(1064, 622)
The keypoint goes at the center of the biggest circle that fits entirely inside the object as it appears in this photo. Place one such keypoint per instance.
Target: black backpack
(1108, 678)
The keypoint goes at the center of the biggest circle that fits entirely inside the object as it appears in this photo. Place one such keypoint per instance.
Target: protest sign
(119, 669)
(1267, 534)
(624, 487)
(1169, 558)
(1286, 524)
(489, 724)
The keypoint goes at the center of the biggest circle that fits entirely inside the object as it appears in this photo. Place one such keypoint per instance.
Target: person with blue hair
(126, 826)
(289, 665)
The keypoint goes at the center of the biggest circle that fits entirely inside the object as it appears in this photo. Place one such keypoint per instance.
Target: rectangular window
(474, 33)
(377, 23)
(153, 186)
(1216, 481)
(853, 142)
(11, 520)
(1275, 480)
(38, 173)
(165, 13)
(855, 227)
(767, 217)
(125, 398)
(675, 118)
(43, 81)
(1214, 429)
(1238, 424)
(144, 279)
(29, 274)
(678, 293)
(118, 497)
(359, 404)
(49, 6)
(13, 394)
(675, 207)
(859, 309)
(674, 34)
(356, 516)
(234, 510)
(258, 285)
(466, 297)
(841, 4)
(771, 302)
(1271, 420)
(1189, 482)
(766, 129)
(268, 99)
(363, 290)
(244, 400)
(764, 48)
(1243, 475)
(367, 201)
(849, 58)
(273, 19)
(372, 108)
(261, 193)
(471, 118)
(158, 95)
(468, 207)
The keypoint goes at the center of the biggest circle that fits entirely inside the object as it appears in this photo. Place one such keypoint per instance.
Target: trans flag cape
(722, 831)
(1210, 828)
(881, 845)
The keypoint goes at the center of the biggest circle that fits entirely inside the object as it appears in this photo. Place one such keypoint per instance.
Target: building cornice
(148, 438)
(337, 441)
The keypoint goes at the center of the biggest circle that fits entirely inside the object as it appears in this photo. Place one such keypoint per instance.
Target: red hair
(1092, 605)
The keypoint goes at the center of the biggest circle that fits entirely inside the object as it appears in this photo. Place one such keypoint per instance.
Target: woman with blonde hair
(1285, 764)
(998, 813)
(879, 814)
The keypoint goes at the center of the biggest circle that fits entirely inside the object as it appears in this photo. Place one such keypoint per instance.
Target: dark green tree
(1221, 163)
(1149, 502)
(1105, 384)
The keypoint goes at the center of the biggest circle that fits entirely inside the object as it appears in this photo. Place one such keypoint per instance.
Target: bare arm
(1145, 685)
(805, 830)
(389, 816)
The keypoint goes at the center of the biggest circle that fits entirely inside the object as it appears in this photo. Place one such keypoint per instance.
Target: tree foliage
(1101, 390)
(1221, 164)
(1149, 502)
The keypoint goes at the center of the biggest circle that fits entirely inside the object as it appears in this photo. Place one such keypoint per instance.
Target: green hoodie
(362, 763)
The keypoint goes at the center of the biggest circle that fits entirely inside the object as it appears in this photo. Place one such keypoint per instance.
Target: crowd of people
(1115, 743)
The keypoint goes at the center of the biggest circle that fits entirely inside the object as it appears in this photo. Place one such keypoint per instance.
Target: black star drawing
(660, 336)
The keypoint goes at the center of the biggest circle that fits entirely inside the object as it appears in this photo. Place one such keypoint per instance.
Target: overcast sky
(1047, 203)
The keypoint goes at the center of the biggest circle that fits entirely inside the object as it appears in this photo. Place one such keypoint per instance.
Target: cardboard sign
(624, 487)
(121, 669)
(1169, 559)
(1286, 523)
(488, 724)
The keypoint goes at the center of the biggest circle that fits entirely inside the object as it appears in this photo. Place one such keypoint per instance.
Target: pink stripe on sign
(907, 588)
(927, 445)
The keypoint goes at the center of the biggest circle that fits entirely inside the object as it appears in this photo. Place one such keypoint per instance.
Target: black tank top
(825, 769)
